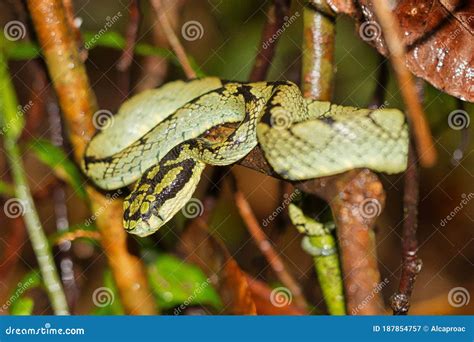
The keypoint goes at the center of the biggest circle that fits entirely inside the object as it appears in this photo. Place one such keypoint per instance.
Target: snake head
(141, 215)
(162, 191)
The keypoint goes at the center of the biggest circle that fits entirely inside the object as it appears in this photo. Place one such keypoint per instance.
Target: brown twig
(265, 246)
(275, 18)
(131, 32)
(126, 58)
(78, 104)
(318, 50)
(173, 40)
(76, 234)
(421, 129)
(343, 192)
(411, 264)
(69, 10)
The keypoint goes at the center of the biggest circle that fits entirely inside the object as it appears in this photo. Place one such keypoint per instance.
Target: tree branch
(421, 129)
(78, 104)
(275, 18)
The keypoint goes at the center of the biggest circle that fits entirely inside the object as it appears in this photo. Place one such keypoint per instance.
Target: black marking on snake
(170, 191)
(267, 116)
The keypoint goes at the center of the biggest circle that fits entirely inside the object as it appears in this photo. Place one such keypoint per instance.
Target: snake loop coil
(159, 139)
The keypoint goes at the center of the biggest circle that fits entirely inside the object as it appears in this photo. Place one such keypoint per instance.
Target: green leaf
(7, 189)
(22, 50)
(57, 160)
(11, 114)
(176, 283)
(18, 303)
(27, 50)
(79, 231)
(22, 307)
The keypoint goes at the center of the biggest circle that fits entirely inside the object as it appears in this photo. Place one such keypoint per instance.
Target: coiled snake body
(161, 138)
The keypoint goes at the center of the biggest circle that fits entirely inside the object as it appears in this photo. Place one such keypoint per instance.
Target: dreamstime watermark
(103, 119)
(370, 296)
(197, 291)
(458, 119)
(370, 30)
(286, 202)
(370, 208)
(109, 22)
(192, 30)
(455, 33)
(20, 113)
(14, 30)
(280, 297)
(458, 296)
(15, 207)
(100, 211)
(46, 330)
(20, 289)
(193, 208)
(465, 200)
(286, 23)
(103, 296)
(281, 118)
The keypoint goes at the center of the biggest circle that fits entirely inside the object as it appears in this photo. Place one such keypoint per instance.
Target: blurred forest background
(226, 47)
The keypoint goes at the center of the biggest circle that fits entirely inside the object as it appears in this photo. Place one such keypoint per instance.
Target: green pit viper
(161, 138)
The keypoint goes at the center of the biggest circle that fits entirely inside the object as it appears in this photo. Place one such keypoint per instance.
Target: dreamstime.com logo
(371, 296)
(102, 297)
(103, 119)
(101, 210)
(21, 111)
(109, 22)
(20, 289)
(193, 208)
(192, 30)
(459, 119)
(286, 202)
(15, 207)
(14, 30)
(286, 23)
(458, 297)
(370, 30)
(370, 208)
(280, 297)
(465, 200)
(177, 311)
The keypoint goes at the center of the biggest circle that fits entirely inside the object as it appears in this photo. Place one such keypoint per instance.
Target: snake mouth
(144, 228)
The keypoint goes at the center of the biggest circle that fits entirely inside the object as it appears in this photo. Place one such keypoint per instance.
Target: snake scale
(161, 139)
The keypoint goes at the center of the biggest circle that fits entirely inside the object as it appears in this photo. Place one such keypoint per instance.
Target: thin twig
(65, 260)
(172, 38)
(275, 18)
(125, 61)
(24, 201)
(78, 104)
(131, 32)
(266, 247)
(411, 264)
(421, 129)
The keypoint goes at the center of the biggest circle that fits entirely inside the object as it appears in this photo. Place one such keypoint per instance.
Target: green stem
(329, 273)
(8, 107)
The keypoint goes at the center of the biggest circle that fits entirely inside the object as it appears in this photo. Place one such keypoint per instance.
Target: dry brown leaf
(262, 296)
(438, 35)
(204, 250)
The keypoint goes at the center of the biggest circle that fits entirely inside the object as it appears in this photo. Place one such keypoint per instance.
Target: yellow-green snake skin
(159, 138)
